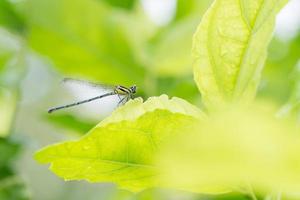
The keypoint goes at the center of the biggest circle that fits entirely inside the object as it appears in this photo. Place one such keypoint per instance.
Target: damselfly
(124, 93)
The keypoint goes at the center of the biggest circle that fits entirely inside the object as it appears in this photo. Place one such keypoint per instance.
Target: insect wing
(85, 89)
(81, 90)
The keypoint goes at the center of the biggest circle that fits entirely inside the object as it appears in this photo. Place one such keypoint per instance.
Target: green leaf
(9, 18)
(8, 101)
(84, 38)
(191, 7)
(68, 121)
(183, 88)
(176, 62)
(11, 65)
(235, 148)
(9, 46)
(230, 48)
(281, 75)
(11, 186)
(121, 148)
(126, 4)
(8, 151)
(292, 107)
(178, 37)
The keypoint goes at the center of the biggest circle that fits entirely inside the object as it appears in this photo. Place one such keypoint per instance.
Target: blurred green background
(142, 42)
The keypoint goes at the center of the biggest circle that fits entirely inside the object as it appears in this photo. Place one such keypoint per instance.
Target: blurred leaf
(183, 88)
(191, 7)
(84, 38)
(292, 107)
(11, 71)
(281, 75)
(230, 48)
(172, 49)
(227, 196)
(234, 148)
(127, 4)
(70, 122)
(284, 82)
(9, 45)
(184, 7)
(121, 148)
(8, 151)
(11, 186)
(122, 195)
(8, 100)
(9, 18)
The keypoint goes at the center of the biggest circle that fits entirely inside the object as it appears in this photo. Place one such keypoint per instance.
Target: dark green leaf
(70, 122)
(126, 4)
(9, 18)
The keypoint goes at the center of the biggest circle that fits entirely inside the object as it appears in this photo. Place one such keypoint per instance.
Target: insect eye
(133, 88)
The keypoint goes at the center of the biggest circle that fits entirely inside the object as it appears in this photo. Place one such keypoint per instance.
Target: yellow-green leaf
(121, 149)
(230, 48)
(235, 148)
(175, 62)
(7, 109)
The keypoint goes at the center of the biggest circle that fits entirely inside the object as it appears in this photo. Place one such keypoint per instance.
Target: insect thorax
(122, 90)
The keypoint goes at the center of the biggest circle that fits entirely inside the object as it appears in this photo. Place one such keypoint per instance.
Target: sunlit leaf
(121, 148)
(236, 148)
(230, 48)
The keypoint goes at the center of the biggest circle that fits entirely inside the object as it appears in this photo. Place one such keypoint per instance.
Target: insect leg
(123, 101)
(119, 96)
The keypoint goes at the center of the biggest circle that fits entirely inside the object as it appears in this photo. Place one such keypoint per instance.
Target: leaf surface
(234, 148)
(121, 149)
(230, 48)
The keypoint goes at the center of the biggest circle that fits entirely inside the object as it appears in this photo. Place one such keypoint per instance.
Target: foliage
(70, 122)
(96, 41)
(253, 151)
(10, 18)
(109, 151)
(127, 4)
(230, 48)
(229, 53)
(7, 107)
(233, 144)
(11, 187)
